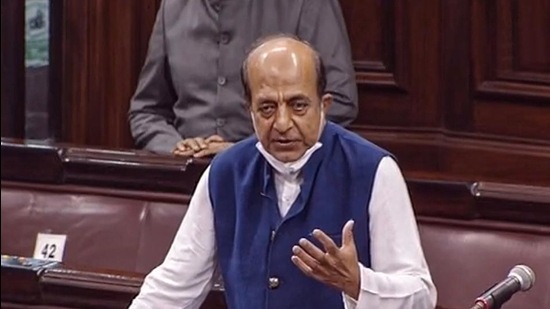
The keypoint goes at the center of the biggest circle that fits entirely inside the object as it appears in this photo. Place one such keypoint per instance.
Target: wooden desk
(30, 283)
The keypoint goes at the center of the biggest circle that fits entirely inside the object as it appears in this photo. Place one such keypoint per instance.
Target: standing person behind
(304, 214)
(189, 100)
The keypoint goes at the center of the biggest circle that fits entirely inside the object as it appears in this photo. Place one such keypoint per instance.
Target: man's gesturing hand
(336, 266)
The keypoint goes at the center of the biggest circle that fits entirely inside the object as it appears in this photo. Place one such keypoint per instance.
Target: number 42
(48, 251)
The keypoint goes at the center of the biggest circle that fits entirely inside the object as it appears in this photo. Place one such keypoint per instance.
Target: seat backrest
(115, 229)
(467, 258)
(109, 229)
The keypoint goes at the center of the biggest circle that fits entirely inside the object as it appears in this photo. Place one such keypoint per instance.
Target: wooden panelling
(55, 69)
(511, 40)
(511, 67)
(378, 29)
(532, 38)
(478, 102)
(395, 51)
(104, 43)
(455, 76)
(526, 120)
(457, 88)
(13, 68)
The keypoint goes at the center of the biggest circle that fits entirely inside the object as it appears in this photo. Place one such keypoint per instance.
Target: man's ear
(326, 101)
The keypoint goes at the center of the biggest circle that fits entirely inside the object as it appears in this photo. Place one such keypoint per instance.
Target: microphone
(520, 278)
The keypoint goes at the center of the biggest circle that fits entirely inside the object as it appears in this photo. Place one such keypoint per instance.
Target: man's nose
(283, 120)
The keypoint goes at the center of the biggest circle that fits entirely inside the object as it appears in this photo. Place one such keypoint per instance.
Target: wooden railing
(34, 282)
(432, 194)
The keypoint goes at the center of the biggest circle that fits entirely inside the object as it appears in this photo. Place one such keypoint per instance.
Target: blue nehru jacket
(254, 242)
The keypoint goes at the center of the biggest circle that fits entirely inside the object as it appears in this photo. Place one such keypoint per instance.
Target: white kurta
(397, 279)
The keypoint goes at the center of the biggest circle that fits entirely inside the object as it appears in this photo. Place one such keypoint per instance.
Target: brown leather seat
(114, 229)
(103, 231)
(466, 258)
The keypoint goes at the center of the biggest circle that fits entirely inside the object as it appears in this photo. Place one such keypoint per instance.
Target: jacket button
(274, 282)
(220, 122)
(224, 38)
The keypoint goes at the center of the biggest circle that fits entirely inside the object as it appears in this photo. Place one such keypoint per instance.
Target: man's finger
(185, 153)
(203, 153)
(196, 144)
(192, 143)
(301, 265)
(347, 234)
(309, 260)
(215, 138)
(311, 249)
(327, 242)
(201, 142)
(213, 148)
(180, 146)
(308, 271)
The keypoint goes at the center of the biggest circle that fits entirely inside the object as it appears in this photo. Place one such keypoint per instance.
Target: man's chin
(287, 156)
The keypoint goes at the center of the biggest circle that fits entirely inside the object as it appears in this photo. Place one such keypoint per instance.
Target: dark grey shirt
(190, 83)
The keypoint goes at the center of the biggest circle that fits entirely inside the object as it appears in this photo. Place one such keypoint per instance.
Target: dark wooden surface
(103, 45)
(43, 162)
(58, 285)
(453, 87)
(131, 173)
(13, 68)
(466, 89)
(457, 88)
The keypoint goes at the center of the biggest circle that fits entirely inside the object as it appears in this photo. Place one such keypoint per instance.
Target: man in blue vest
(303, 215)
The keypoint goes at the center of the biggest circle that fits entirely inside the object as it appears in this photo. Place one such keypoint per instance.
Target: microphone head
(525, 275)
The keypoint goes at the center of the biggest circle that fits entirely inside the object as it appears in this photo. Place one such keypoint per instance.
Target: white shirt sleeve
(399, 277)
(186, 276)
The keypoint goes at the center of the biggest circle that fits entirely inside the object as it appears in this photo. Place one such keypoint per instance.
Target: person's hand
(199, 147)
(190, 146)
(215, 144)
(336, 266)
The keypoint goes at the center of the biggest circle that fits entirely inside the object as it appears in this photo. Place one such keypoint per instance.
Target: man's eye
(299, 106)
(267, 109)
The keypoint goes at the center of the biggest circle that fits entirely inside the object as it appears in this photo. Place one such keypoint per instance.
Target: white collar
(289, 168)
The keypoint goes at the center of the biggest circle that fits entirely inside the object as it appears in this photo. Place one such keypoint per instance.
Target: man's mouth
(284, 142)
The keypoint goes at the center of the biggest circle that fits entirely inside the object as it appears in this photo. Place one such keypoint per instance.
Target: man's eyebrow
(295, 97)
(265, 97)
(266, 101)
